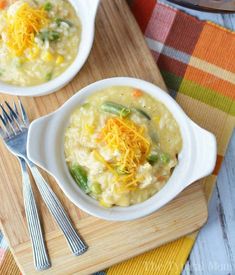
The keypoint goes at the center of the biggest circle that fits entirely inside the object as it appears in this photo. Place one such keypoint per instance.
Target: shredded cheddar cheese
(22, 26)
(128, 139)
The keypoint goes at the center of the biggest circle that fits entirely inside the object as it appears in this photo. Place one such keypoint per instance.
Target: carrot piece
(3, 4)
(137, 93)
(161, 178)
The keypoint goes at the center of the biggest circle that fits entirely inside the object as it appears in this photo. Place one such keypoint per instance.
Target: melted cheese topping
(22, 26)
(128, 139)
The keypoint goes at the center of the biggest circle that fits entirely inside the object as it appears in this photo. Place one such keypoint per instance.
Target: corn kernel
(157, 119)
(47, 56)
(90, 129)
(59, 59)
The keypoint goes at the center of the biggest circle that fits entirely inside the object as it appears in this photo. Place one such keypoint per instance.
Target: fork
(40, 255)
(15, 137)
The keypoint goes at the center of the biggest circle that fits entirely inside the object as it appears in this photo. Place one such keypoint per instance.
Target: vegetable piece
(164, 158)
(86, 105)
(90, 128)
(49, 35)
(161, 178)
(59, 59)
(48, 6)
(116, 109)
(143, 113)
(3, 4)
(137, 93)
(153, 158)
(156, 119)
(60, 20)
(80, 176)
(47, 56)
(48, 76)
(1, 72)
(96, 188)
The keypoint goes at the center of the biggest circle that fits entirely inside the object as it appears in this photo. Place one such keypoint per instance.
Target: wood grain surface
(119, 50)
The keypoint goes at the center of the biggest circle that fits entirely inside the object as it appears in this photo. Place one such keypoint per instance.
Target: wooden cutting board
(119, 50)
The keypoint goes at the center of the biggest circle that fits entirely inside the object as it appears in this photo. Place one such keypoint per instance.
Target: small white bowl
(46, 149)
(86, 11)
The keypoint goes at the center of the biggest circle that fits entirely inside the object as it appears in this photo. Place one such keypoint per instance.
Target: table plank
(214, 250)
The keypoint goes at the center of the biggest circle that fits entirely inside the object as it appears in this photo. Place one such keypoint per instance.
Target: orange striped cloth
(196, 59)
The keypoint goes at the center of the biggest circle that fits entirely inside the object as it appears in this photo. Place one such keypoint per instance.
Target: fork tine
(15, 108)
(23, 113)
(5, 117)
(4, 125)
(5, 114)
(14, 116)
(12, 112)
(8, 120)
(3, 120)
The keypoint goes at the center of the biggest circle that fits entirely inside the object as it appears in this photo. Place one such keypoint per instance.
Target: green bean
(48, 76)
(48, 6)
(116, 109)
(153, 158)
(79, 174)
(143, 113)
(96, 188)
(164, 158)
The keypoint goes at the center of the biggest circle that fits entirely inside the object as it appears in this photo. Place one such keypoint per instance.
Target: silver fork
(16, 131)
(40, 256)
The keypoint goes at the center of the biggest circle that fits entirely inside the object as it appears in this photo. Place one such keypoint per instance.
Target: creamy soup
(121, 146)
(38, 40)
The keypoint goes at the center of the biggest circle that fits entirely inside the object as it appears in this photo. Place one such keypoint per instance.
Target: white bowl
(86, 10)
(46, 149)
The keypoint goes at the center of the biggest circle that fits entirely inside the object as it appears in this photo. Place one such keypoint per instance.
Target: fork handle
(76, 244)
(41, 259)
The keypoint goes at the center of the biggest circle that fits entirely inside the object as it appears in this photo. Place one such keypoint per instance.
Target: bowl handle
(205, 153)
(93, 6)
(39, 142)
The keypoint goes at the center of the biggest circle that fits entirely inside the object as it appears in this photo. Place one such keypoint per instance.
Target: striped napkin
(196, 59)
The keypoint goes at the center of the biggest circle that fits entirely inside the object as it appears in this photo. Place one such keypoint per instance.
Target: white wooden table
(214, 250)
